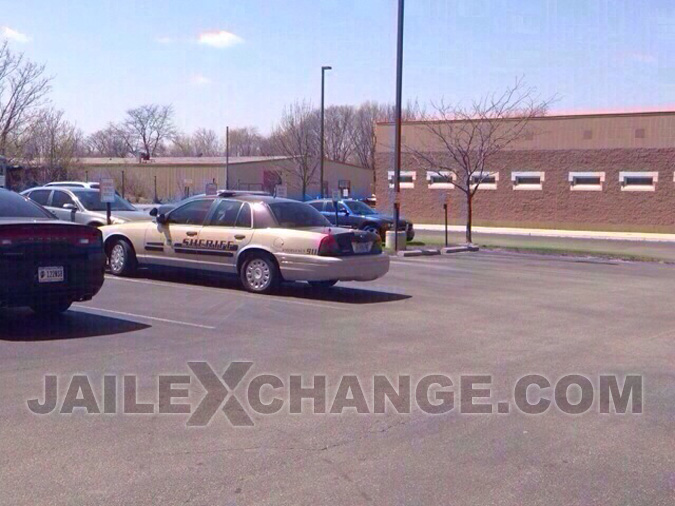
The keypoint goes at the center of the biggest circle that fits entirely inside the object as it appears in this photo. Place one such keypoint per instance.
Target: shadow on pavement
(342, 294)
(23, 325)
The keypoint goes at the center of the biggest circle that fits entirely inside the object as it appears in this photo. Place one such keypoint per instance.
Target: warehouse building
(581, 172)
(171, 178)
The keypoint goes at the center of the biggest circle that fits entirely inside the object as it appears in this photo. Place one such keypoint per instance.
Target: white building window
(441, 179)
(406, 179)
(638, 181)
(487, 180)
(586, 181)
(527, 180)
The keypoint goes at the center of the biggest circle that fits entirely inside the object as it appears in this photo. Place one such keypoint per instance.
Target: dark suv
(356, 214)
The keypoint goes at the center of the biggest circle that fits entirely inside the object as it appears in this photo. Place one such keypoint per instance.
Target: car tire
(371, 227)
(122, 259)
(259, 273)
(323, 284)
(51, 308)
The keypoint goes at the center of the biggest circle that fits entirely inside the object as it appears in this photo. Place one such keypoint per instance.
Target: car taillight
(49, 234)
(329, 247)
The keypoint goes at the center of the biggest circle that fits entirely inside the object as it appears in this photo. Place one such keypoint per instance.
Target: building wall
(555, 145)
(556, 205)
(140, 177)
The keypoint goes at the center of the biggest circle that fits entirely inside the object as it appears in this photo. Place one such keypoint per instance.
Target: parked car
(45, 263)
(83, 205)
(74, 184)
(262, 239)
(355, 214)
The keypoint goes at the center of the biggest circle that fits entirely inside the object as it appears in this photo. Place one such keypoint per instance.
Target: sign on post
(281, 191)
(107, 194)
(211, 188)
(336, 195)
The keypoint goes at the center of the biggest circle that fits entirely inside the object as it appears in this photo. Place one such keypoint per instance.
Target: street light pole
(323, 79)
(397, 134)
(227, 158)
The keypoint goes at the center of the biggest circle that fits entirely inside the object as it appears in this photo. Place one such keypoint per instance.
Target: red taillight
(329, 246)
(49, 234)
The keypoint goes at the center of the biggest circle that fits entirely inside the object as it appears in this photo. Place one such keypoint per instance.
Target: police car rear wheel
(259, 274)
(122, 260)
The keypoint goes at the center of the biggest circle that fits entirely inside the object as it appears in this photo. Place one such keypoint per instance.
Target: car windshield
(91, 200)
(297, 215)
(13, 205)
(358, 207)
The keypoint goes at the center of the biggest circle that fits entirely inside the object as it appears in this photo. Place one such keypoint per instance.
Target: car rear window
(13, 205)
(297, 215)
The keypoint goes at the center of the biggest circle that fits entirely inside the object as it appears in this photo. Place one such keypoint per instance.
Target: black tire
(372, 227)
(323, 284)
(51, 307)
(259, 273)
(122, 259)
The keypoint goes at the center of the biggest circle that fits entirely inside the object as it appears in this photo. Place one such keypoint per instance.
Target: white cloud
(164, 40)
(219, 39)
(200, 80)
(11, 34)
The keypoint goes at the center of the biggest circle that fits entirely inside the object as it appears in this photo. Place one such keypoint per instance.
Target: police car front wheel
(259, 274)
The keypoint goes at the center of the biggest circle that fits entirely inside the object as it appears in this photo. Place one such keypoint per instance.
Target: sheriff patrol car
(262, 239)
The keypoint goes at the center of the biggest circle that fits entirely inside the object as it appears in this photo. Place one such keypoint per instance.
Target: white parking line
(265, 298)
(146, 317)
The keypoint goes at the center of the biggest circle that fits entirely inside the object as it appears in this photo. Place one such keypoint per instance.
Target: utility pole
(227, 157)
(397, 134)
(323, 80)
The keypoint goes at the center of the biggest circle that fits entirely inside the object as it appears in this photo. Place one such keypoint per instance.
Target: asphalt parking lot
(502, 314)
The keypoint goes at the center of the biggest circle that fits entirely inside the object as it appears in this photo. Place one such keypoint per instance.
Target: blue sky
(237, 63)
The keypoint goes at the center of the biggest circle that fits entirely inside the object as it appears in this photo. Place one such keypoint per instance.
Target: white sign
(187, 182)
(345, 192)
(336, 195)
(211, 188)
(107, 189)
(281, 191)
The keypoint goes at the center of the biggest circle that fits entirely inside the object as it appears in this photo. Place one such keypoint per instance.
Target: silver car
(83, 205)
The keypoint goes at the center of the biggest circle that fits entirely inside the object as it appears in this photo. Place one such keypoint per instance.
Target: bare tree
(338, 132)
(464, 140)
(52, 144)
(108, 142)
(201, 143)
(246, 141)
(147, 127)
(23, 89)
(295, 137)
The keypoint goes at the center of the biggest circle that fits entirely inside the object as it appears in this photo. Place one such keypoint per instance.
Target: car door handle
(239, 237)
(191, 234)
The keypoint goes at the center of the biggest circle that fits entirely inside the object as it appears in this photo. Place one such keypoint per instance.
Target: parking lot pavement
(505, 315)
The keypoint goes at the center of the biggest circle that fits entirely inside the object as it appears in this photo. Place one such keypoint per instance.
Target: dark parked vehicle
(45, 263)
(355, 214)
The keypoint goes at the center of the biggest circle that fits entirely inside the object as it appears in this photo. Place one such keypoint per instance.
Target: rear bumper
(20, 287)
(316, 268)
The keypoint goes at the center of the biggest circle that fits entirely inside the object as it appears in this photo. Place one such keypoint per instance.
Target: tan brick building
(586, 172)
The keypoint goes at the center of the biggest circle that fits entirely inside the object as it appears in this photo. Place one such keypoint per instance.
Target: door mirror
(70, 207)
(344, 212)
(154, 212)
(162, 219)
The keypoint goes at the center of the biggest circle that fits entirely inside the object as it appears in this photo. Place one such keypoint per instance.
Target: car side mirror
(70, 207)
(162, 219)
(154, 212)
(344, 212)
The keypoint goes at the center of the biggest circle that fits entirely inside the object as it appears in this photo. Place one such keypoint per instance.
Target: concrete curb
(458, 249)
(418, 252)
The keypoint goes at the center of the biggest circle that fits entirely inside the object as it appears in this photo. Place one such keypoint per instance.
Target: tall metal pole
(397, 134)
(323, 81)
(227, 158)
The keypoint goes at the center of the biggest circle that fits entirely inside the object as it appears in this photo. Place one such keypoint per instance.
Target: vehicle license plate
(50, 274)
(362, 247)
